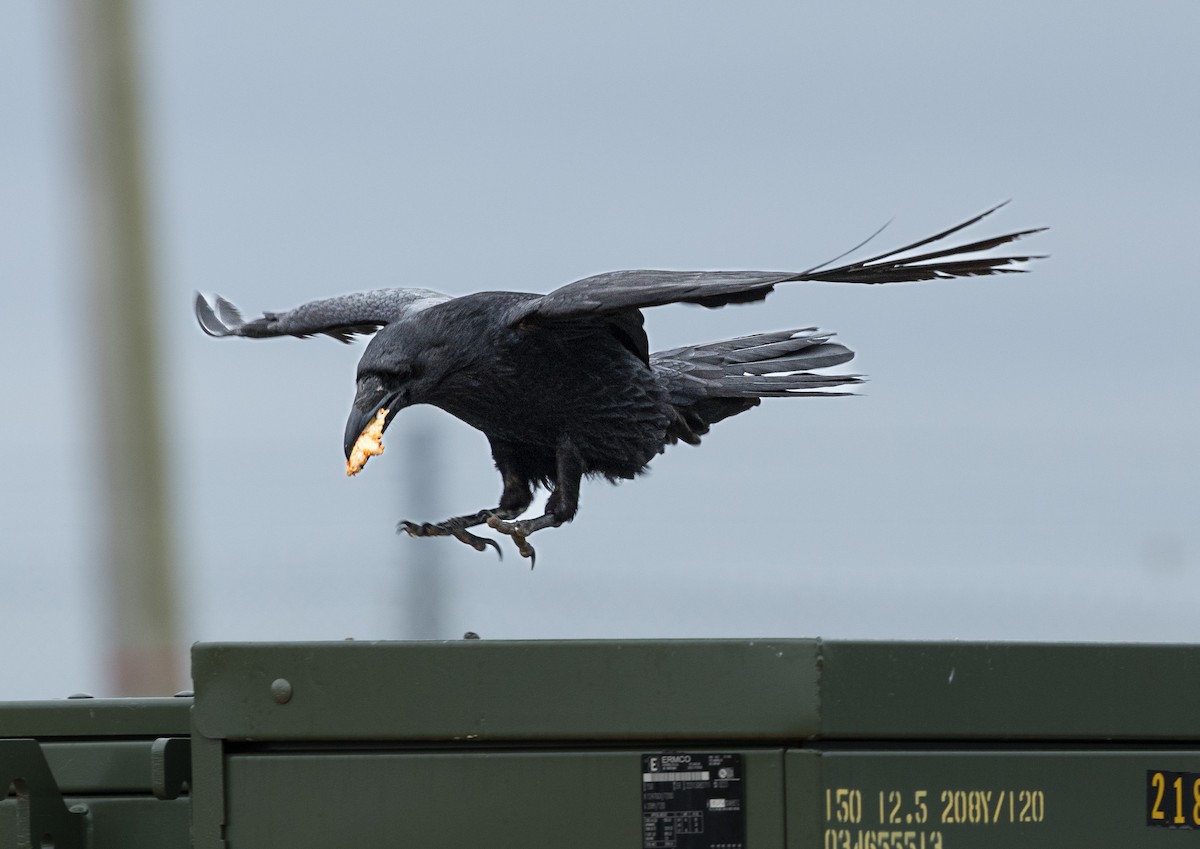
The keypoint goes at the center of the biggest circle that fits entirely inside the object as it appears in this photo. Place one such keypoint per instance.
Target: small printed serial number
(1172, 799)
(846, 838)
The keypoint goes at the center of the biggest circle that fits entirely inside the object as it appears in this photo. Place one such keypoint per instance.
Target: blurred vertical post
(138, 569)
(425, 576)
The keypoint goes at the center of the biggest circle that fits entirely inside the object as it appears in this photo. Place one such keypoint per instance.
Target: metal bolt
(281, 690)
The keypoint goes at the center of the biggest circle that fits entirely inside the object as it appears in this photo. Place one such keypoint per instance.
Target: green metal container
(99, 773)
(749, 744)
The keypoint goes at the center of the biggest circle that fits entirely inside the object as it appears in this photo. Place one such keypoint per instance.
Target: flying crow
(564, 384)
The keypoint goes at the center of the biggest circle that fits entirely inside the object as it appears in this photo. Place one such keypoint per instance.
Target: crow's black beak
(364, 410)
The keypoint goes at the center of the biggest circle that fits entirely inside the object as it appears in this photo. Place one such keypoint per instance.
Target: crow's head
(395, 372)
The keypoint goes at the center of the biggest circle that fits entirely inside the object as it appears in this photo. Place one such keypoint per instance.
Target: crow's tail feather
(708, 383)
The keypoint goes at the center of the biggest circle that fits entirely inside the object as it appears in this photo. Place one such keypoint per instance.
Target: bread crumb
(368, 444)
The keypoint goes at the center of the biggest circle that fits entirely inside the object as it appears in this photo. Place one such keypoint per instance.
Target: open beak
(364, 411)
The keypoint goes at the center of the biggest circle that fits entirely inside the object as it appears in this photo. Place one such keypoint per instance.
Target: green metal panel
(483, 690)
(158, 717)
(583, 799)
(1005, 691)
(696, 689)
(802, 780)
(110, 766)
(208, 792)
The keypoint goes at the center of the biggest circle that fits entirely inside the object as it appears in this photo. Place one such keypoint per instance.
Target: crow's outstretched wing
(623, 290)
(341, 317)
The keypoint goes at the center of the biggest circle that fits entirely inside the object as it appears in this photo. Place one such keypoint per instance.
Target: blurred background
(1022, 466)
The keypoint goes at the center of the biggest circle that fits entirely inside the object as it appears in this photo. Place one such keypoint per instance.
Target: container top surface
(762, 690)
(126, 718)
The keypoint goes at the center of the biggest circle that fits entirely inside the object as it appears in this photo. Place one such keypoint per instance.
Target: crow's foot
(520, 531)
(456, 528)
(518, 534)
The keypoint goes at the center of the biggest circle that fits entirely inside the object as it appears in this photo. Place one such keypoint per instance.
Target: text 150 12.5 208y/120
(845, 806)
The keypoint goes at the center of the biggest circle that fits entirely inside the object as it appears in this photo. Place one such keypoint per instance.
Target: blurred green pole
(136, 556)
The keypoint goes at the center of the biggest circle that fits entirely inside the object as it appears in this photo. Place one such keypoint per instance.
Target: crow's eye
(403, 371)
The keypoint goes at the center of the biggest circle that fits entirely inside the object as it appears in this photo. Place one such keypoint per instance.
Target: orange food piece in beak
(368, 444)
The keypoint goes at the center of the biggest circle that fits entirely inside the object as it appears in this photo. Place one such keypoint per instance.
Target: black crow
(564, 385)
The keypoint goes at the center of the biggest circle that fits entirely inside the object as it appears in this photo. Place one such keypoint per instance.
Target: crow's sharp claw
(478, 543)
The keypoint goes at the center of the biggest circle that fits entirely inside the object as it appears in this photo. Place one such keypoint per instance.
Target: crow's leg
(514, 500)
(561, 506)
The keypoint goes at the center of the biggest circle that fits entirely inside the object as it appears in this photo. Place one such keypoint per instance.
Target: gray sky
(1023, 464)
